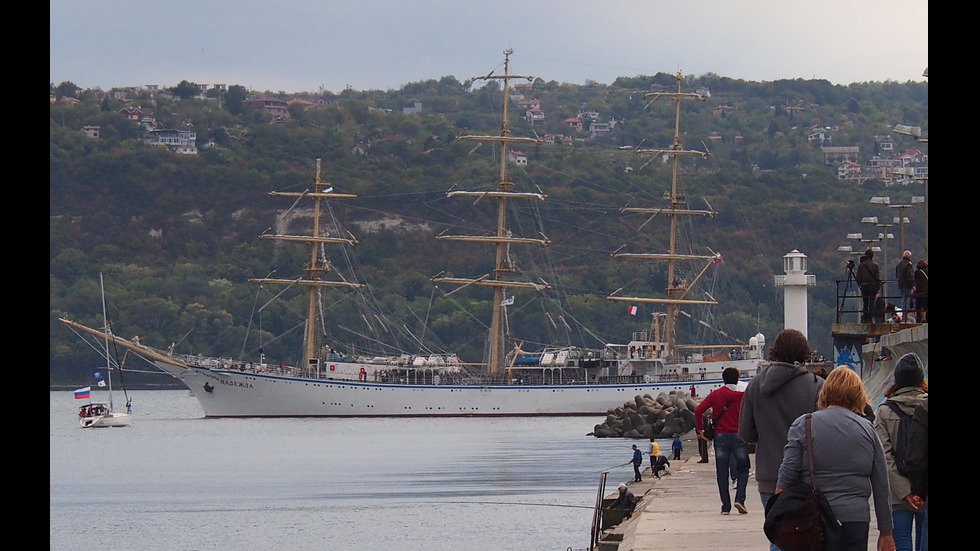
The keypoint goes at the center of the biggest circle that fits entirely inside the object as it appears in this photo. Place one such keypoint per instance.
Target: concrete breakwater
(648, 417)
(879, 358)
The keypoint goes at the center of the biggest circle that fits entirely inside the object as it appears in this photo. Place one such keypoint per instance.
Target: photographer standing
(869, 280)
(904, 273)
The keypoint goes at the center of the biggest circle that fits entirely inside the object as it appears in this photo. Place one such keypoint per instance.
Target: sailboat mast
(314, 271)
(316, 268)
(105, 320)
(496, 338)
(502, 238)
(677, 289)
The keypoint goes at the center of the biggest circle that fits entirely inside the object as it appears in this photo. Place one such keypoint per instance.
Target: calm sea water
(175, 481)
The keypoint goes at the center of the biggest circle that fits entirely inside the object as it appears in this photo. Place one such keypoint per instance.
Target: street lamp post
(901, 219)
(924, 199)
(916, 133)
(858, 236)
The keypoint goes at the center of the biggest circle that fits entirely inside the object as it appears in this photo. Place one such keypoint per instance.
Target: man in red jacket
(725, 404)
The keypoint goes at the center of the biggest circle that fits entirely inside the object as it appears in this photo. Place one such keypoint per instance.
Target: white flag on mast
(507, 301)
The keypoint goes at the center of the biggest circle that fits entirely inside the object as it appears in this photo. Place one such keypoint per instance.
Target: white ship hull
(508, 381)
(236, 393)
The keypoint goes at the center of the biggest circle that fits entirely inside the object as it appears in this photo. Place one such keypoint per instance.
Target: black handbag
(709, 425)
(799, 518)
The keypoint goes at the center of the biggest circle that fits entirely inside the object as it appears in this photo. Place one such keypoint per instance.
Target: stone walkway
(682, 511)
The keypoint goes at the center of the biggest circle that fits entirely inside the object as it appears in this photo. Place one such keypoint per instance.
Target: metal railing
(850, 303)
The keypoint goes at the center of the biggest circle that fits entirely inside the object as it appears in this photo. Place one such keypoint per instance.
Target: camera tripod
(851, 278)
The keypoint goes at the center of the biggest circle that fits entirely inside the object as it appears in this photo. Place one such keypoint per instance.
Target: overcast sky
(309, 45)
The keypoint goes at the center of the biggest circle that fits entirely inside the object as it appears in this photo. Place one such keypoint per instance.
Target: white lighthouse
(794, 285)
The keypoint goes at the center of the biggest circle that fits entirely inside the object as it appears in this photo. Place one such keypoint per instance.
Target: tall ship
(509, 381)
(656, 352)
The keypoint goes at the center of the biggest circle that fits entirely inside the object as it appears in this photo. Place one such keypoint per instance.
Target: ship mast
(318, 266)
(503, 238)
(677, 289)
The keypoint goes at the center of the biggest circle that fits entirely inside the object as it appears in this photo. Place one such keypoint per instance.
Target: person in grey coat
(848, 461)
(773, 399)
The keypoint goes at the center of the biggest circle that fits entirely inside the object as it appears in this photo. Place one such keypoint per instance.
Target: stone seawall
(879, 358)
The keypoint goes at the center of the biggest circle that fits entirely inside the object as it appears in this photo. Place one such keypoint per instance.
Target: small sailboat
(102, 414)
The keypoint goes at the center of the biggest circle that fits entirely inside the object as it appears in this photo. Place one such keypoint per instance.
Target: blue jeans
(925, 529)
(906, 295)
(902, 531)
(765, 499)
(727, 446)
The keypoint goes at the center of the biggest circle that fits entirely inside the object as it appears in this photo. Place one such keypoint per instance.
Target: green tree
(66, 89)
(186, 90)
(234, 98)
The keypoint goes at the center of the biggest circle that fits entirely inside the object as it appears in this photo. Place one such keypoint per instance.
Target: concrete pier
(682, 511)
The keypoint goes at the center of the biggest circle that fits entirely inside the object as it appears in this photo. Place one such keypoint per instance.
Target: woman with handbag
(847, 480)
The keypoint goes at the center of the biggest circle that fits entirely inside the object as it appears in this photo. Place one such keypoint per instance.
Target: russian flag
(83, 393)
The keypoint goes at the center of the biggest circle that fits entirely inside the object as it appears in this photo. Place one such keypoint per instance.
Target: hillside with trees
(177, 236)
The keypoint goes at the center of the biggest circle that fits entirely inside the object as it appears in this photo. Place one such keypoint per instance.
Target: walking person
(920, 290)
(901, 399)
(869, 280)
(848, 480)
(725, 404)
(637, 462)
(904, 276)
(677, 446)
(703, 442)
(919, 466)
(774, 398)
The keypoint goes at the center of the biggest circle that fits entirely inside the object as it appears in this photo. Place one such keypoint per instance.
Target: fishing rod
(611, 468)
(519, 503)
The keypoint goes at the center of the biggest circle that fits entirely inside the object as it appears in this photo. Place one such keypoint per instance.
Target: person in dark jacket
(903, 275)
(637, 462)
(626, 502)
(920, 290)
(702, 443)
(869, 280)
(919, 467)
(780, 393)
(677, 446)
